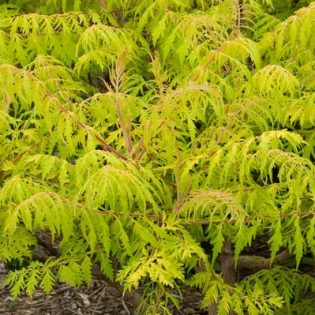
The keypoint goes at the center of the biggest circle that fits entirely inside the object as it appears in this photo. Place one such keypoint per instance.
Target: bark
(252, 263)
(212, 309)
(256, 263)
(228, 271)
(227, 263)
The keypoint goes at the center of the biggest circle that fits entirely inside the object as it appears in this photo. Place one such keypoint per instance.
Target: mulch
(99, 298)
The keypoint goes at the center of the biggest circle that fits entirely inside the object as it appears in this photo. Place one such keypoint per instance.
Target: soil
(99, 298)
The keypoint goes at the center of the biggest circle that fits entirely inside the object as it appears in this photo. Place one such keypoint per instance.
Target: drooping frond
(215, 204)
(33, 34)
(288, 283)
(291, 38)
(99, 45)
(275, 79)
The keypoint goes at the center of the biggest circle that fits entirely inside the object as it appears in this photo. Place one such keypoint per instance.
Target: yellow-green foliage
(135, 130)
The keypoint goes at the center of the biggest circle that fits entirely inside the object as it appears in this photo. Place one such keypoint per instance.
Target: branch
(125, 127)
(239, 8)
(227, 263)
(214, 53)
(116, 79)
(228, 272)
(256, 263)
(104, 144)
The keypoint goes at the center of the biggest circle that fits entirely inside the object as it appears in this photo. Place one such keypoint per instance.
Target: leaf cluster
(135, 132)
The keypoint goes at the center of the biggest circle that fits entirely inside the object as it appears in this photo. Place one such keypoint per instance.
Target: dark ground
(99, 298)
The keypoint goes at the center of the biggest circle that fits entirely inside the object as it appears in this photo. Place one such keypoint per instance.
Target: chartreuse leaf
(146, 137)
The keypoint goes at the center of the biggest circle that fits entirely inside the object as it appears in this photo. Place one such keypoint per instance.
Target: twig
(124, 304)
(105, 145)
(116, 79)
(239, 8)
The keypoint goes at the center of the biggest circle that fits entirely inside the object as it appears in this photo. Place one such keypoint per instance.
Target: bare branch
(256, 263)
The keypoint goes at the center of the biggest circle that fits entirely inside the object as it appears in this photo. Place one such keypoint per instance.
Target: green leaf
(48, 281)
(86, 270)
